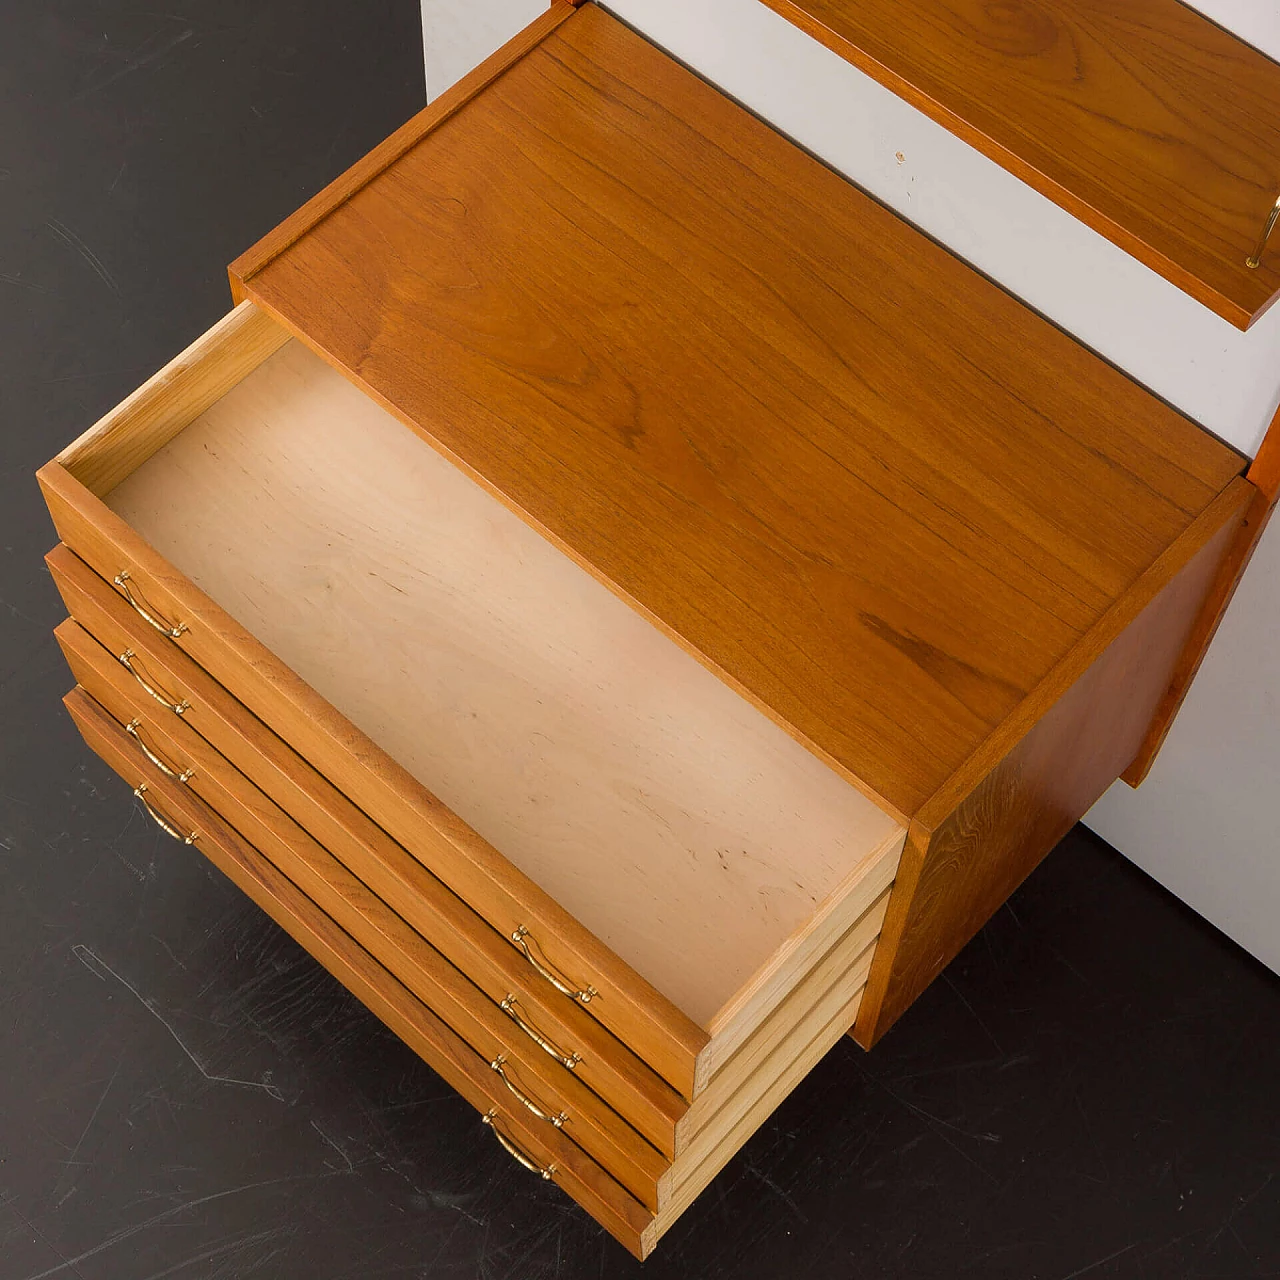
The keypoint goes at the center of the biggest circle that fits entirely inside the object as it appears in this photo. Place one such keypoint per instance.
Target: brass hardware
(165, 768)
(176, 707)
(1256, 256)
(561, 984)
(490, 1118)
(498, 1065)
(163, 823)
(570, 1060)
(122, 581)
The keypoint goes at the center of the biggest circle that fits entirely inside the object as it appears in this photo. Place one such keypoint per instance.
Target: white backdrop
(1205, 822)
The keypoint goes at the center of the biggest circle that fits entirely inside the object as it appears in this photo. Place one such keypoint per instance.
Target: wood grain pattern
(980, 839)
(668, 1040)
(599, 1130)
(608, 1066)
(868, 488)
(387, 152)
(1142, 118)
(177, 395)
(684, 829)
(430, 1037)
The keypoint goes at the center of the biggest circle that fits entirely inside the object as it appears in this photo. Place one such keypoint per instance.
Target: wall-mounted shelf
(1140, 117)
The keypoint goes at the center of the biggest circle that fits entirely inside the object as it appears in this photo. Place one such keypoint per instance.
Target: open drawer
(668, 855)
(676, 601)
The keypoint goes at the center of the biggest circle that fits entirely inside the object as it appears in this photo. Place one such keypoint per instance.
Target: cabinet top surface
(1140, 117)
(872, 490)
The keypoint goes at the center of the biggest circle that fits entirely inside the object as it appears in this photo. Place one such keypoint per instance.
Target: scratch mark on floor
(39, 1235)
(136, 62)
(946, 977)
(84, 1133)
(93, 963)
(782, 1195)
(1101, 1262)
(225, 1246)
(169, 951)
(73, 242)
(126, 1233)
(19, 283)
(350, 1166)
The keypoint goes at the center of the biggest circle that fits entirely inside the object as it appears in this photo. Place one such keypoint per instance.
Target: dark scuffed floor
(1092, 1089)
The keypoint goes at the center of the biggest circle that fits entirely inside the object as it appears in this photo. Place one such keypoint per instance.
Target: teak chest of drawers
(629, 605)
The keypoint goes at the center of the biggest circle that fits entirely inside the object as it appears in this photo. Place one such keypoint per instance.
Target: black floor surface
(1091, 1090)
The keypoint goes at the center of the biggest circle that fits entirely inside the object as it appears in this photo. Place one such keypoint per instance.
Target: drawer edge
(445, 1052)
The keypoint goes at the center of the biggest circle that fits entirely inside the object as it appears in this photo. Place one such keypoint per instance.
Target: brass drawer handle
(122, 581)
(163, 823)
(570, 1060)
(125, 660)
(498, 1065)
(522, 937)
(164, 767)
(490, 1118)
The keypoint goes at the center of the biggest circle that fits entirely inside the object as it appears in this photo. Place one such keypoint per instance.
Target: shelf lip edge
(282, 237)
(1230, 306)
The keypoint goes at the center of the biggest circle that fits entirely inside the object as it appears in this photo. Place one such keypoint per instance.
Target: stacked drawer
(609, 901)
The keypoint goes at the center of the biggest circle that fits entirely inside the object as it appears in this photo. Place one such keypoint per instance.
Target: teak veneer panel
(863, 484)
(981, 836)
(687, 831)
(1142, 118)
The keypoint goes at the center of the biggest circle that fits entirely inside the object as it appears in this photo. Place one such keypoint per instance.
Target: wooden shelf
(860, 481)
(1139, 117)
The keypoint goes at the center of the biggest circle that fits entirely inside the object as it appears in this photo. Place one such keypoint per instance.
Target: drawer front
(430, 907)
(664, 1037)
(550, 1087)
(184, 814)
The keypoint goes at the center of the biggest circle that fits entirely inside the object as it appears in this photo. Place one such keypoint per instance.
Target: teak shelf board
(858, 481)
(1142, 118)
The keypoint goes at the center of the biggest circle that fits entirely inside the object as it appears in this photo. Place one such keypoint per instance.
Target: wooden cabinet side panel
(954, 877)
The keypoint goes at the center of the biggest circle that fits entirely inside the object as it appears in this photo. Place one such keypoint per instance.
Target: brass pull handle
(498, 1065)
(162, 822)
(1256, 256)
(490, 1118)
(122, 581)
(125, 660)
(167, 769)
(569, 1060)
(522, 937)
